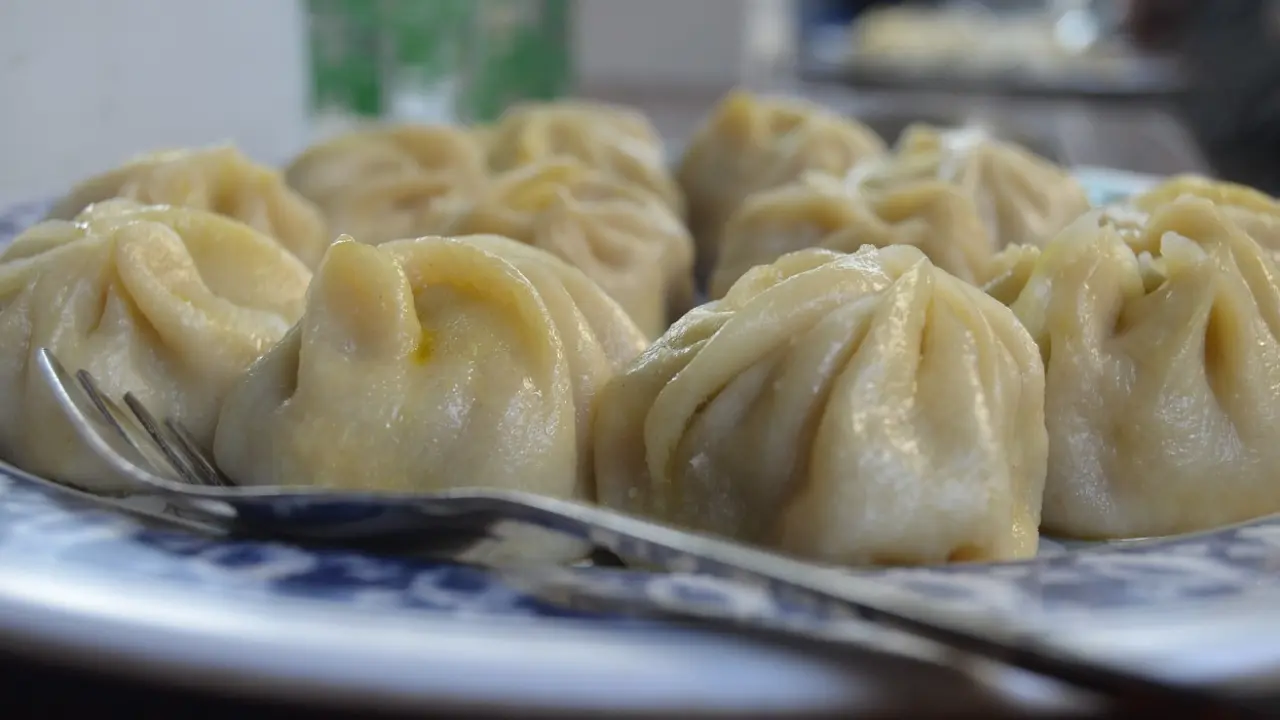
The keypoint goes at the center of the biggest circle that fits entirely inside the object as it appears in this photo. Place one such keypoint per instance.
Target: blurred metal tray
(1116, 72)
(1147, 78)
(1144, 137)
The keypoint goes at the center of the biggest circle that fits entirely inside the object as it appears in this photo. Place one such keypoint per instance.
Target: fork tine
(105, 406)
(209, 472)
(101, 420)
(154, 430)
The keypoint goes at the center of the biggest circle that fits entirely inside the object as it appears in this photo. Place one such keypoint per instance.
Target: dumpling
(1009, 271)
(821, 211)
(169, 303)
(905, 35)
(860, 408)
(610, 138)
(1257, 213)
(622, 237)
(482, 134)
(1023, 198)
(1163, 373)
(751, 143)
(218, 179)
(393, 181)
(430, 364)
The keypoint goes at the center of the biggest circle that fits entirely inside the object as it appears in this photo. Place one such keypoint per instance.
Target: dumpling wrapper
(1255, 212)
(849, 409)
(218, 179)
(1023, 198)
(171, 304)
(610, 138)
(431, 364)
(751, 143)
(622, 237)
(390, 182)
(1163, 373)
(1009, 271)
(906, 35)
(821, 211)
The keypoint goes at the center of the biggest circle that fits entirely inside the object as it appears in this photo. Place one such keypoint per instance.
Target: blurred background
(1159, 86)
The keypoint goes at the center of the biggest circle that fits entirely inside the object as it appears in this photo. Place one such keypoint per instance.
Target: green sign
(436, 60)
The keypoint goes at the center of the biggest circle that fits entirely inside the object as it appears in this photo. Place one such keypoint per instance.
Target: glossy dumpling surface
(821, 211)
(393, 181)
(852, 409)
(624, 238)
(171, 304)
(1163, 372)
(430, 364)
(219, 179)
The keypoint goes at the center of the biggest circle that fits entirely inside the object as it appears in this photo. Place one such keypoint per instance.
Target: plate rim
(302, 648)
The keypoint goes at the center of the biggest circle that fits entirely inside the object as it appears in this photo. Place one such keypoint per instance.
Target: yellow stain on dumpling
(462, 287)
(426, 347)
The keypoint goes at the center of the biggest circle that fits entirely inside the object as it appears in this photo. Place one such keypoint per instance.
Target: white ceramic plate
(83, 580)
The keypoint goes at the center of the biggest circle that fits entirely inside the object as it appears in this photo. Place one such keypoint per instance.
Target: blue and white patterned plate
(81, 578)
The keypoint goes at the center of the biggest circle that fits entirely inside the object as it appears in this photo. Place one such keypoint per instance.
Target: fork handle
(825, 593)
(828, 594)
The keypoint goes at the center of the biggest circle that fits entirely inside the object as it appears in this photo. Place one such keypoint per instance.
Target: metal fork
(176, 467)
(179, 449)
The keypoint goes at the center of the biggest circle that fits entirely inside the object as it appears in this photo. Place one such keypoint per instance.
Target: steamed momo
(1023, 198)
(1009, 271)
(169, 303)
(430, 364)
(861, 408)
(1257, 213)
(623, 238)
(218, 179)
(754, 143)
(391, 182)
(821, 211)
(612, 139)
(1163, 372)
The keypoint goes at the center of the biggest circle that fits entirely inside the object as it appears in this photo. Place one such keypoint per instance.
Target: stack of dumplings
(1022, 198)
(750, 144)
(391, 182)
(623, 237)
(171, 304)
(914, 355)
(585, 181)
(958, 195)
(217, 179)
(826, 212)
(615, 140)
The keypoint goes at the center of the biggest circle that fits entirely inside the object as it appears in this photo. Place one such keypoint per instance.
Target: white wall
(86, 83)
(689, 42)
